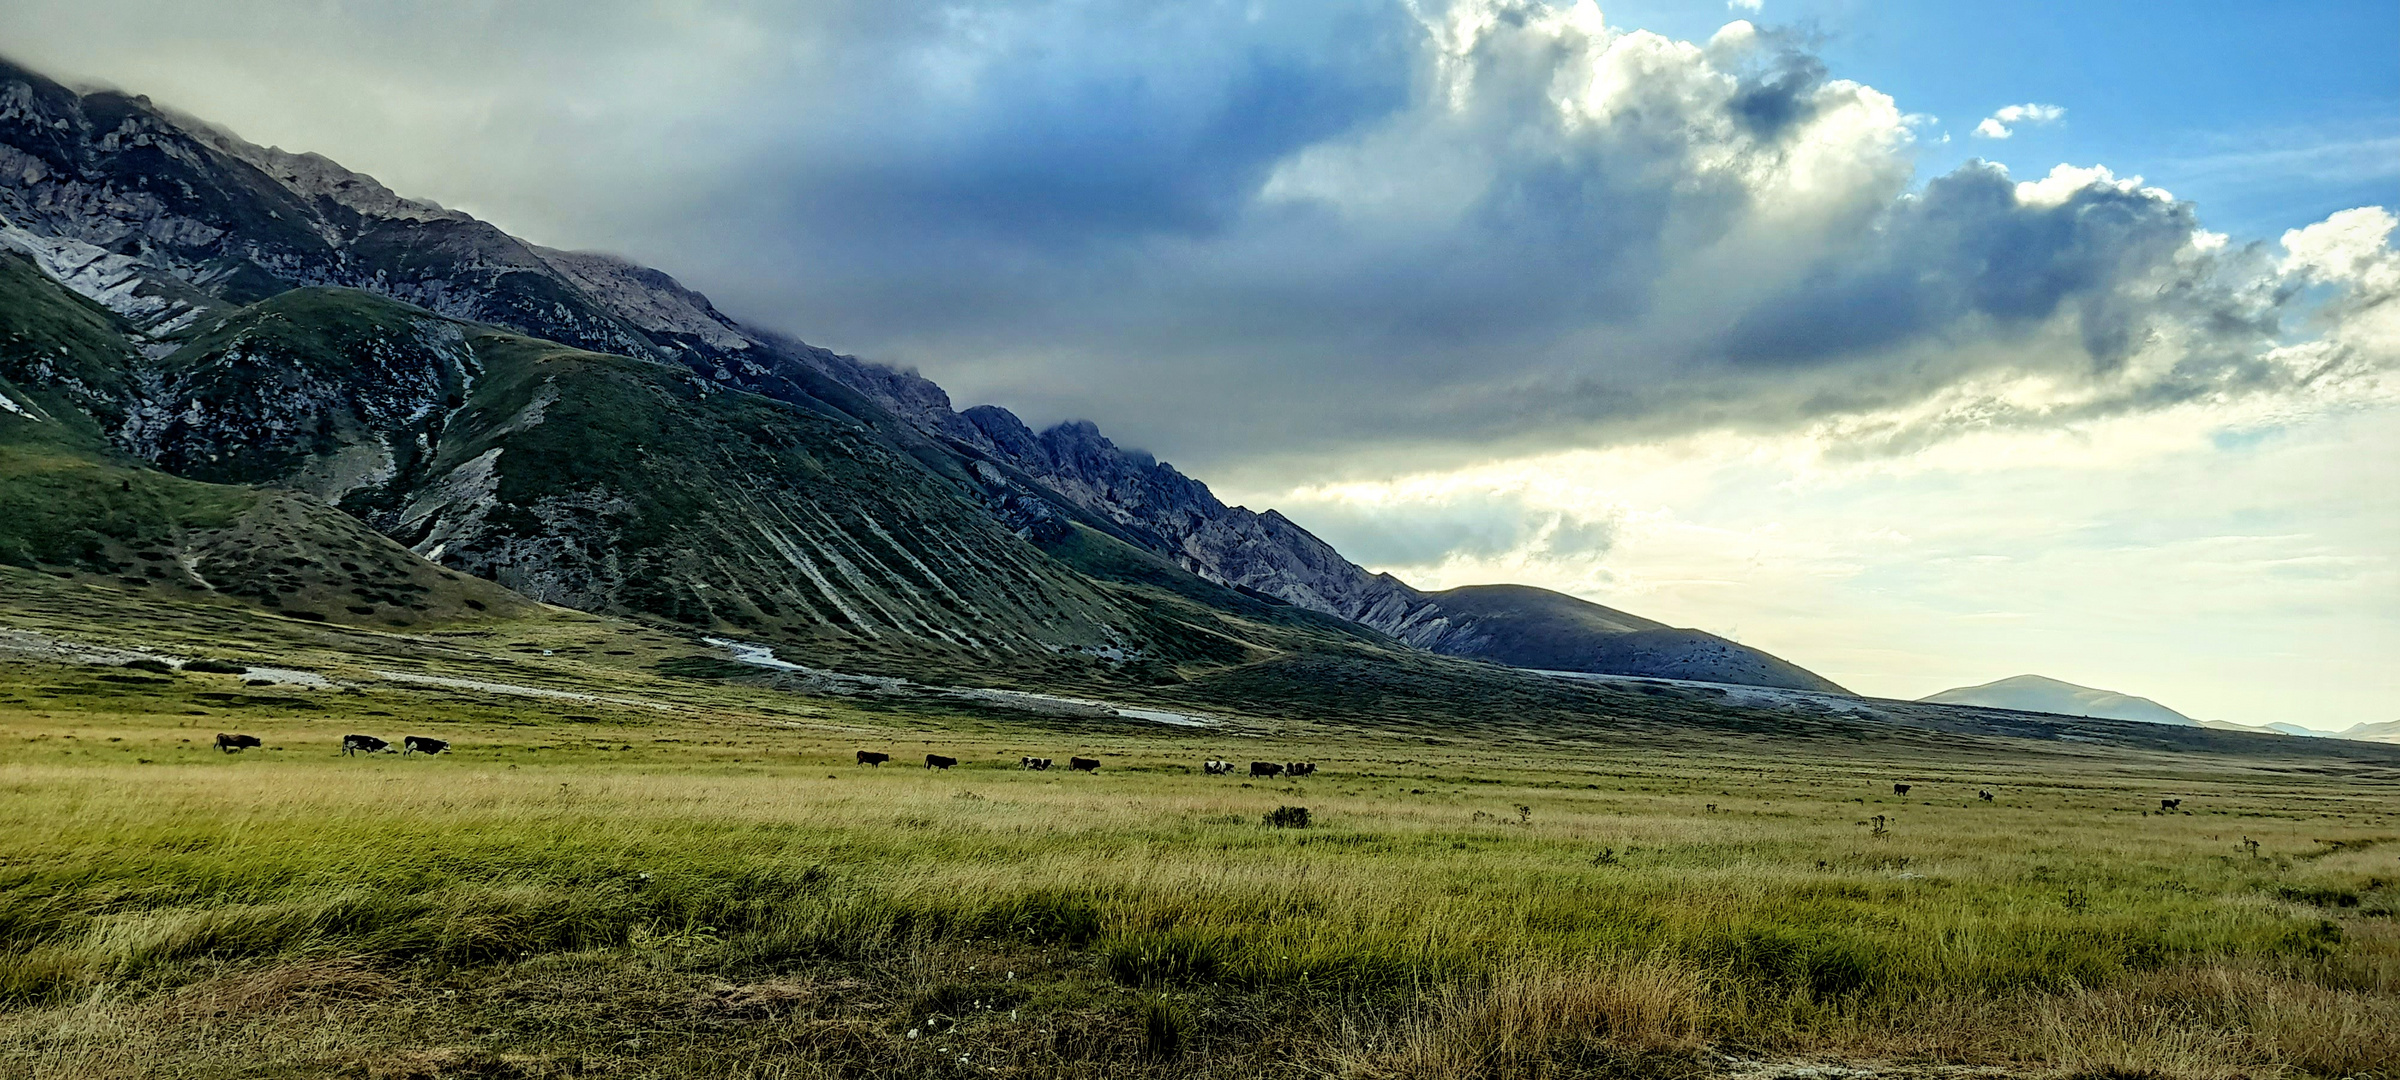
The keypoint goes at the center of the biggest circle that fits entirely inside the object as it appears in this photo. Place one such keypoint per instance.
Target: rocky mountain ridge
(173, 223)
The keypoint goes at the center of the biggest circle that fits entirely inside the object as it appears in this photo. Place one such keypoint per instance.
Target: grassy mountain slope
(324, 390)
(1536, 628)
(615, 484)
(635, 487)
(72, 505)
(2034, 693)
(51, 338)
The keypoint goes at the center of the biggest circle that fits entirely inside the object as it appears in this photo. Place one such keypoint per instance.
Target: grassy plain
(693, 878)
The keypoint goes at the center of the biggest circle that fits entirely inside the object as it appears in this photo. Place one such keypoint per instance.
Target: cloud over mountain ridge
(1361, 234)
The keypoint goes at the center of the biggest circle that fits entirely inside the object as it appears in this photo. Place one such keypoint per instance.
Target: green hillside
(74, 506)
(601, 482)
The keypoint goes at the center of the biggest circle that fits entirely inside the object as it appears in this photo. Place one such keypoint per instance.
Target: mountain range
(207, 344)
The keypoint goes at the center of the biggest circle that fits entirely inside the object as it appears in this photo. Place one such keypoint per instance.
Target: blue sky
(1706, 323)
(2270, 116)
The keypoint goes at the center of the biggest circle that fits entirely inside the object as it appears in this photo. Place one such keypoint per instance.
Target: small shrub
(146, 664)
(216, 667)
(1288, 817)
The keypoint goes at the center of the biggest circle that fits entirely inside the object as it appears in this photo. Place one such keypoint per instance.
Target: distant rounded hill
(1524, 626)
(2033, 693)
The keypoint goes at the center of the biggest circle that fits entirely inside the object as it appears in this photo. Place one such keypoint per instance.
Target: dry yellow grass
(719, 891)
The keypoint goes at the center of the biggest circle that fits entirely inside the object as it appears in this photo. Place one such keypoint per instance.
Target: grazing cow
(1300, 768)
(1266, 768)
(1218, 768)
(2169, 804)
(1899, 789)
(420, 744)
(1084, 764)
(1037, 764)
(234, 744)
(937, 761)
(1984, 794)
(870, 757)
(364, 744)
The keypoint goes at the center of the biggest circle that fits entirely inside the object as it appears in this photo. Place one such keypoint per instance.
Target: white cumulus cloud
(2003, 123)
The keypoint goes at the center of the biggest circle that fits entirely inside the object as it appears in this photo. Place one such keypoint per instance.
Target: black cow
(1985, 794)
(1084, 764)
(870, 757)
(1037, 764)
(1266, 768)
(234, 744)
(1899, 789)
(2163, 804)
(369, 744)
(1217, 768)
(420, 744)
(1300, 768)
(937, 761)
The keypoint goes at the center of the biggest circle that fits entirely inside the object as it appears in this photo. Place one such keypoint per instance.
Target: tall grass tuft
(1539, 1019)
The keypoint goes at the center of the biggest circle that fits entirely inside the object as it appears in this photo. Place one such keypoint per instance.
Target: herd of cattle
(351, 744)
(420, 744)
(1213, 766)
(1985, 795)
(1085, 764)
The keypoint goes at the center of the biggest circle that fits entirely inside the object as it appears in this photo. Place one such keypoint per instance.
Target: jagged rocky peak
(647, 298)
(316, 176)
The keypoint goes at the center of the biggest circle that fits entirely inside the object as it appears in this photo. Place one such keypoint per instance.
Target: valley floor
(692, 877)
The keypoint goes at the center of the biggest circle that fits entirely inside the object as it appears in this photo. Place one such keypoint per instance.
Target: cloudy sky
(1921, 344)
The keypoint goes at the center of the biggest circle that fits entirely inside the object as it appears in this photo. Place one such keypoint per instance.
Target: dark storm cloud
(1089, 128)
(1969, 252)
